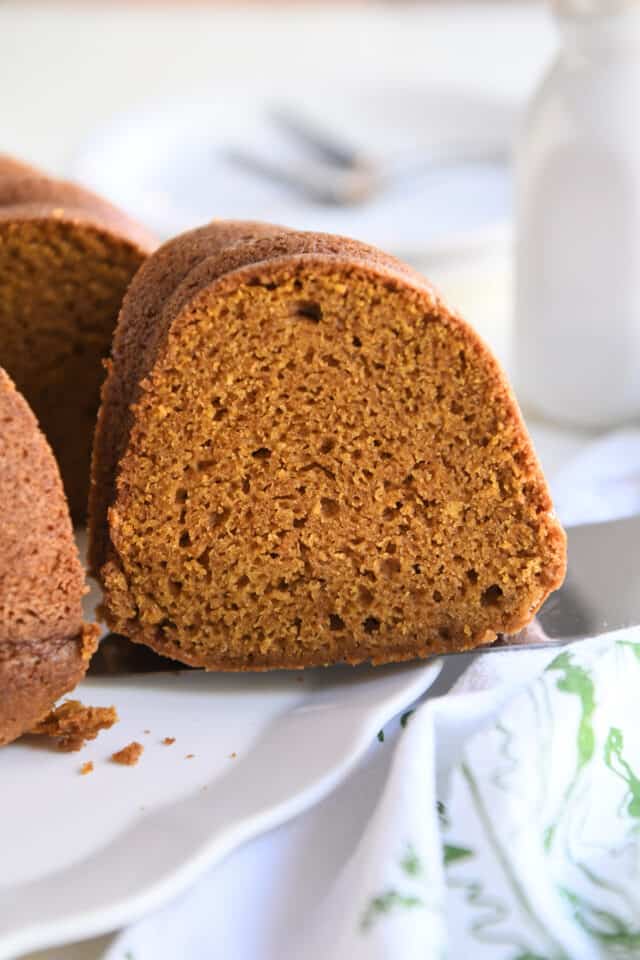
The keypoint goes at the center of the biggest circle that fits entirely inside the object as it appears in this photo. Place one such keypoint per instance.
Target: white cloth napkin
(501, 820)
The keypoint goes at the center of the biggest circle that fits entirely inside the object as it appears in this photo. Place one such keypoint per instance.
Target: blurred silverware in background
(336, 174)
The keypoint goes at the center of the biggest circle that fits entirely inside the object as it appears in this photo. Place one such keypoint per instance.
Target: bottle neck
(589, 31)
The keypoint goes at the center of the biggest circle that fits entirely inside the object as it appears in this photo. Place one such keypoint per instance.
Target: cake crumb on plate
(129, 755)
(71, 724)
(168, 741)
(86, 767)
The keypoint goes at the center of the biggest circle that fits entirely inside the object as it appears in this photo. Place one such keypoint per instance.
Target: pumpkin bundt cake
(66, 259)
(304, 457)
(44, 645)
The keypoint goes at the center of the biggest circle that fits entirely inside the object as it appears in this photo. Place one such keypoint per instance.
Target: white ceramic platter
(168, 164)
(82, 855)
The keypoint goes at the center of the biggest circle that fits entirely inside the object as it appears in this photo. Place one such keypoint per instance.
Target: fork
(334, 173)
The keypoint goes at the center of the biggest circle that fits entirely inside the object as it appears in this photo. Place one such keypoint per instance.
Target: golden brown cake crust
(66, 258)
(194, 277)
(44, 645)
(28, 192)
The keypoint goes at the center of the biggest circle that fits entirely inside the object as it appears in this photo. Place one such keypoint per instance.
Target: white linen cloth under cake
(499, 821)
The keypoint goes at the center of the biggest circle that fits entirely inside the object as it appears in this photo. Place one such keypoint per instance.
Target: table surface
(66, 69)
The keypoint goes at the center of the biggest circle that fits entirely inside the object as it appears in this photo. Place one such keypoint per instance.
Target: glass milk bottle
(577, 322)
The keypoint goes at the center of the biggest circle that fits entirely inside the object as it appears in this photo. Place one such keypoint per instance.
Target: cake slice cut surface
(303, 457)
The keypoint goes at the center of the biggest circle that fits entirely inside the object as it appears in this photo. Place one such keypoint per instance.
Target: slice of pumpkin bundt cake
(44, 645)
(304, 457)
(66, 259)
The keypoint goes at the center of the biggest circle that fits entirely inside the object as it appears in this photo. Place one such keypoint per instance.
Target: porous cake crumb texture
(322, 464)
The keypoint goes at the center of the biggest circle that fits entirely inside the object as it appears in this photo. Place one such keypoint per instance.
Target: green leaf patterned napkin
(543, 810)
(510, 825)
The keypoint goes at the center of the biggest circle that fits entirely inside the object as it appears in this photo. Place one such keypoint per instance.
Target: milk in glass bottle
(577, 323)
